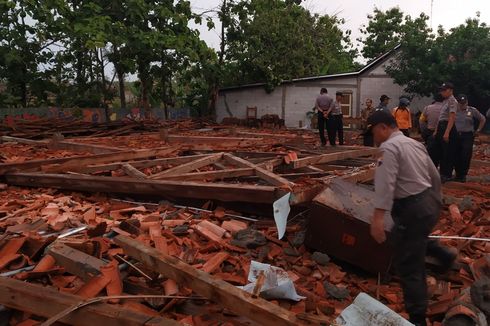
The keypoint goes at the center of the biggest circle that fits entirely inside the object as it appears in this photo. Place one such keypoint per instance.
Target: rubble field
(162, 224)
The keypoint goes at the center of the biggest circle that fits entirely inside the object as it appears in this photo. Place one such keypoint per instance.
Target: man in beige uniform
(407, 184)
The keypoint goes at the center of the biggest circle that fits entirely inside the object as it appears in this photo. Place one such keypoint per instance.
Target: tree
(460, 55)
(23, 48)
(382, 33)
(275, 40)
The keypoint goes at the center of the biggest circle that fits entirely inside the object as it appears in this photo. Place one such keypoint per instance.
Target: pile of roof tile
(71, 243)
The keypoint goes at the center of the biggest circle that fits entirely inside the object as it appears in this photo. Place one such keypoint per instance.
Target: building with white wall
(293, 99)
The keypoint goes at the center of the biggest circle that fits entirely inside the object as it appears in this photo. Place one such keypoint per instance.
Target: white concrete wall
(238, 100)
(300, 98)
(374, 87)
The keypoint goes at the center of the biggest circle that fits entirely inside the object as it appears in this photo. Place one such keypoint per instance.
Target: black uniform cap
(380, 117)
(446, 85)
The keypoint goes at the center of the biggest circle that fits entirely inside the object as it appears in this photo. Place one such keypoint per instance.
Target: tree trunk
(120, 76)
(105, 90)
(163, 81)
(122, 91)
(144, 79)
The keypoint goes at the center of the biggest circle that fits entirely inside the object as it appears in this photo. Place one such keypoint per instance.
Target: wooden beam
(223, 293)
(66, 145)
(263, 134)
(167, 188)
(188, 167)
(479, 163)
(260, 172)
(213, 175)
(230, 141)
(331, 157)
(75, 261)
(140, 164)
(46, 302)
(75, 164)
(86, 159)
(78, 147)
(24, 141)
(133, 172)
(362, 176)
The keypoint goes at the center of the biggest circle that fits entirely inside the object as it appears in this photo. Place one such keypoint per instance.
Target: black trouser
(405, 132)
(433, 148)
(447, 149)
(322, 124)
(368, 139)
(464, 149)
(335, 125)
(414, 218)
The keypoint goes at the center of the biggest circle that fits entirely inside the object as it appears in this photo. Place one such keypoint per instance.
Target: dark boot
(444, 255)
(418, 320)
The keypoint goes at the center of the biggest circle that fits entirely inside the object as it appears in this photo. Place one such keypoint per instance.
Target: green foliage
(461, 55)
(382, 33)
(274, 40)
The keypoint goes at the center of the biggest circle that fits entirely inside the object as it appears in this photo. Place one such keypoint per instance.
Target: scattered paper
(281, 212)
(277, 283)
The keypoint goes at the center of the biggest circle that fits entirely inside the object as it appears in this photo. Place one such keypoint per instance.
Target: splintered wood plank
(188, 167)
(75, 261)
(74, 164)
(361, 176)
(223, 293)
(259, 171)
(47, 302)
(212, 175)
(331, 157)
(133, 172)
(167, 188)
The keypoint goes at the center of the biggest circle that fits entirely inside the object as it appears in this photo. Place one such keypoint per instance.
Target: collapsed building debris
(84, 237)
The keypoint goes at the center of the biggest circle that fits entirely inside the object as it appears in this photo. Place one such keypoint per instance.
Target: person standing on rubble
(323, 104)
(403, 116)
(335, 124)
(465, 126)
(446, 132)
(407, 184)
(365, 114)
(428, 123)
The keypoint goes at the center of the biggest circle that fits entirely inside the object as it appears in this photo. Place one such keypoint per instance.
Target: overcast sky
(448, 13)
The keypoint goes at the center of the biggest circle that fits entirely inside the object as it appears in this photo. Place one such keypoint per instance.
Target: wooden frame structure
(238, 176)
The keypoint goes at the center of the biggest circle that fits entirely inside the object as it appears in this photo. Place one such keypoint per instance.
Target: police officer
(335, 125)
(465, 126)
(446, 131)
(323, 104)
(428, 123)
(407, 184)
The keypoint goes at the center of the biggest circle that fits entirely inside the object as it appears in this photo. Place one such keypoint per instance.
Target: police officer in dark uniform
(465, 126)
(335, 123)
(407, 184)
(446, 131)
(323, 104)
